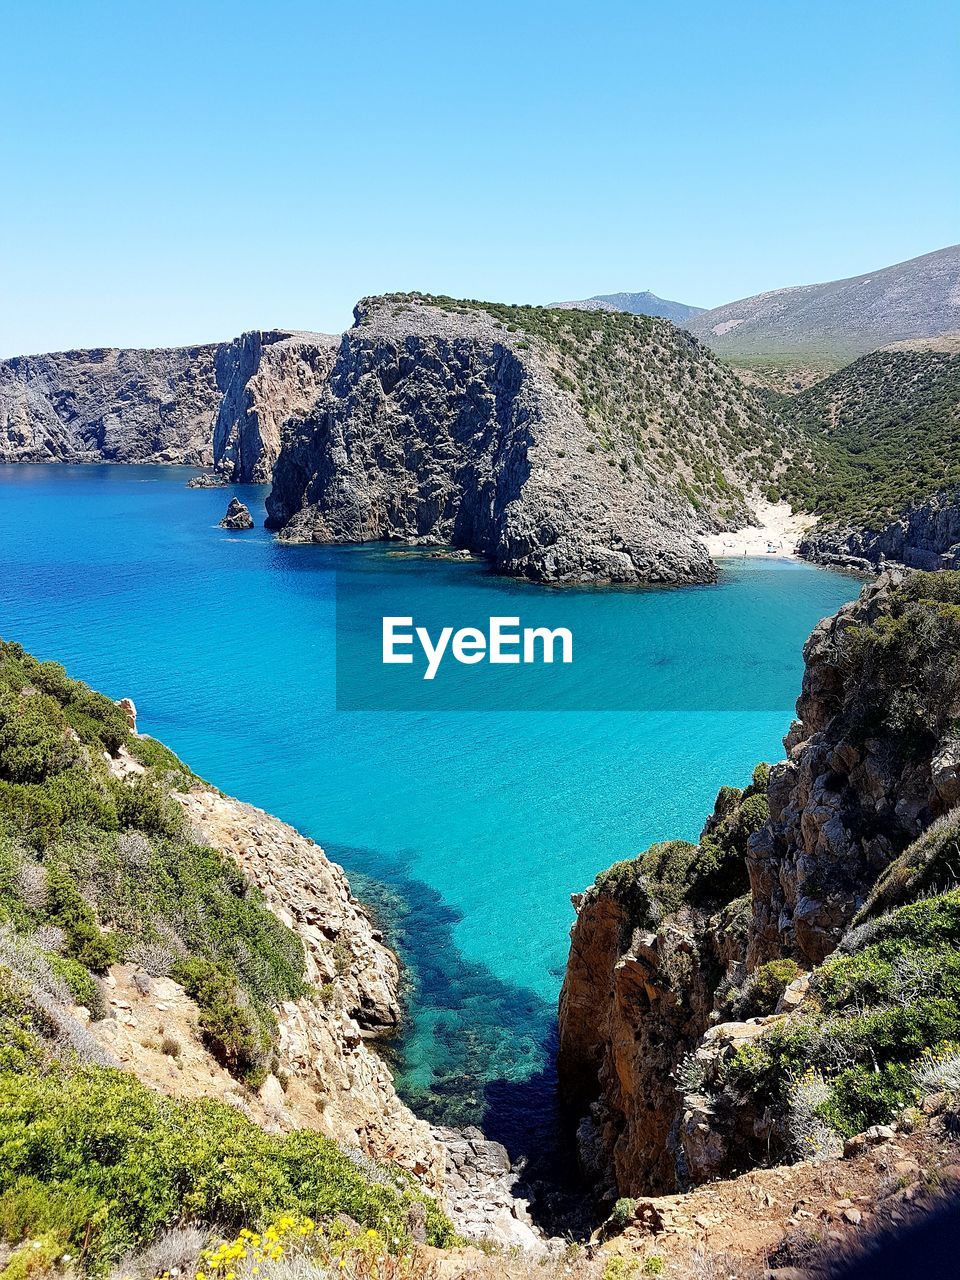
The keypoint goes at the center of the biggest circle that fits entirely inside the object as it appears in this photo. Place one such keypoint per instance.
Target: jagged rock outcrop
(265, 378)
(511, 433)
(222, 404)
(852, 793)
(702, 1029)
(925, 536)
(482, 1191)
(237, 517)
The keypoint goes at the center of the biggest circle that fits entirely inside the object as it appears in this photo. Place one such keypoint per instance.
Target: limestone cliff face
(446, 424)
(265, 378)
(924, 536)
(336, 1081)
(220, 404)
(109, 405)
(661, 990)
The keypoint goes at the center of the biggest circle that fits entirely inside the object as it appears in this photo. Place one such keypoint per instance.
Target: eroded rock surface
(448, 425)
(108, 405)
(680, 972)
(237, 517)
(925, 536)
(220, 403)
(323, 1041)
(265, 378)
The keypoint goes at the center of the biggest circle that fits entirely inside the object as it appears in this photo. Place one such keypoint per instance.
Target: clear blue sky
(177, 172)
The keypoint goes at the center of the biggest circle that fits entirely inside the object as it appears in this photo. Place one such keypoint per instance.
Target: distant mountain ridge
(840, 319)
(637, 304)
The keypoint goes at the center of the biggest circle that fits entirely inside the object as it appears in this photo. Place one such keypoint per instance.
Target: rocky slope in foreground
(221, 404)
(150, 923)
(564, 446)
(792, 981)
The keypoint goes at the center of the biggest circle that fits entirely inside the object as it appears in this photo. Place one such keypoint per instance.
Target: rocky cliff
(110, 406)
(264, 379)
(790, 981)
(924, 536)
(220, 404)
(562, 445)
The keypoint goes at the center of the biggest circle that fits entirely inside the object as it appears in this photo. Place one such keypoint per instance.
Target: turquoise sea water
(469, 828)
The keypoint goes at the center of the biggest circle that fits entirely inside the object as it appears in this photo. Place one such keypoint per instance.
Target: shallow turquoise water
(475, 824)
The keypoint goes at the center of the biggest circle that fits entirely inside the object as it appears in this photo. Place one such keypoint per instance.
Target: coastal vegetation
(884, 433)
(819, 995)
(97, 866)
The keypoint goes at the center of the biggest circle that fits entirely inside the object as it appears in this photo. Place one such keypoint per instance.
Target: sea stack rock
(238, 516)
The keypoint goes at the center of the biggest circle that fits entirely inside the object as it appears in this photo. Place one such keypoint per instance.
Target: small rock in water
(238, 516)
(208, 480)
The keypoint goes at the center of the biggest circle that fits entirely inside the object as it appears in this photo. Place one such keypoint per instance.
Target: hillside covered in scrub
(884, 436)
(887, 429)
(794, 979)
(563, 445)
(121, 873)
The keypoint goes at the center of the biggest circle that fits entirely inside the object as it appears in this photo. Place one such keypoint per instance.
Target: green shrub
(231, 1029)
(86, 941)
(622, 1214)
(37, 1257)
(765, 987)
(873, 1017)
(30, 1208)
(139, 1162)
(33, 738)
(120, 869)
(83, 986)
(153, 755)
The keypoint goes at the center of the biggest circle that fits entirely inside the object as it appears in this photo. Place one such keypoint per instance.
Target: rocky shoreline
(925, 536)
(691, 966)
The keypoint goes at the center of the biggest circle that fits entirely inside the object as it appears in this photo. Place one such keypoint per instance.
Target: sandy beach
(777, 534)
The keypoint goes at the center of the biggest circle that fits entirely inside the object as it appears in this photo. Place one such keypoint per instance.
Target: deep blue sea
(467, 818)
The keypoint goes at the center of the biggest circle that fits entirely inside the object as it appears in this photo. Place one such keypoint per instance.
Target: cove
(466, 828)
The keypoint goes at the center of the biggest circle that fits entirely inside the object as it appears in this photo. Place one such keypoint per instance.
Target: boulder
(238, 516)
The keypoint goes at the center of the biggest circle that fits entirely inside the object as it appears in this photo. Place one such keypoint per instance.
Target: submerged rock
(238, 516)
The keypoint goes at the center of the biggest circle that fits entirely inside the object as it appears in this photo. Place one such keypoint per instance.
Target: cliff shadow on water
(475, 1050)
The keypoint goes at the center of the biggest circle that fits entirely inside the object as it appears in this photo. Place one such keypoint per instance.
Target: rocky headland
(776, 991)
(217, 404)
(563, 446)
(237, 516)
